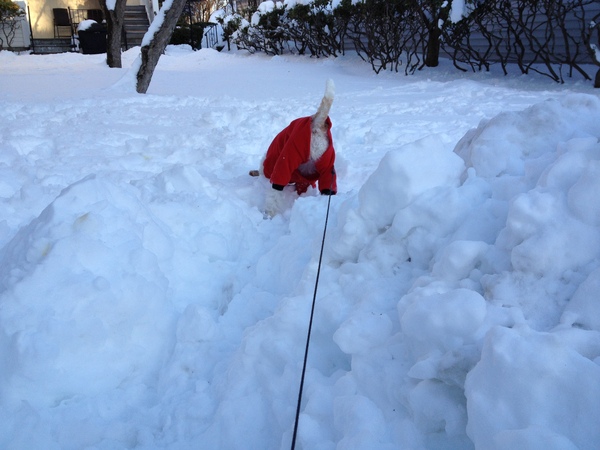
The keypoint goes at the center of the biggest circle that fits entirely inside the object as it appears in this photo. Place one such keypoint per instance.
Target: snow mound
(83, 279)
(492, 263)
(538, 403)
(145, 303)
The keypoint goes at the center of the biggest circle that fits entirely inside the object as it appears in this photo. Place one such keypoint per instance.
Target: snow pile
(495, 251)
(146, 303)
(263, 9)
(269, 6)
(59, 314)
(85, 25)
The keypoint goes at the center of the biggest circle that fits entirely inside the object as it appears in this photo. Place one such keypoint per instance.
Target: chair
(95, 14)
(62, 21)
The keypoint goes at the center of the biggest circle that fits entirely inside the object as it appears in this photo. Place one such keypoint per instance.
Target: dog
(302, 155)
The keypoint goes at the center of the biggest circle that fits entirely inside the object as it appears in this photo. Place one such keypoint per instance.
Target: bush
(535, 35)
(313, 27)
(301, 29)
(266, 34)
(382, 32)
(191, 35)
(9, 12)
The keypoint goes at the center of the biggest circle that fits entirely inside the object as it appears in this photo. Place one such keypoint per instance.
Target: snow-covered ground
(146, 303)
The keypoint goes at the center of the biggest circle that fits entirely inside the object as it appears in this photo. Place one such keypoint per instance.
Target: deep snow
(146, 303)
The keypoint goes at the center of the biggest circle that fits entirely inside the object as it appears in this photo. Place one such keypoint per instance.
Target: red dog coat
(288, 159)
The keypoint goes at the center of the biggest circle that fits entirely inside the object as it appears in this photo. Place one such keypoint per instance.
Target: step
(137, 18)
(136, 13)
(136, 24)
(48, 46)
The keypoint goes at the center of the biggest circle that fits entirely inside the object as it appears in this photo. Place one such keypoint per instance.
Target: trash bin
(92, 39)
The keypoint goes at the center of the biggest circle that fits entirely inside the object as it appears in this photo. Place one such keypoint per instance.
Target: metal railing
(78, 15)
(211, 36)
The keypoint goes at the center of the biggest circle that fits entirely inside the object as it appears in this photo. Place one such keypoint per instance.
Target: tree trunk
(597, 80)
(115, 21)
(432, 56)
(438, 12)
(170, 13)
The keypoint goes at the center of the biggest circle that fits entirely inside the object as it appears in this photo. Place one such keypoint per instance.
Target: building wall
(41, 18)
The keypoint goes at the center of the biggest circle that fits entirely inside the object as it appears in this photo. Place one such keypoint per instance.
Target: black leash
(312, 313)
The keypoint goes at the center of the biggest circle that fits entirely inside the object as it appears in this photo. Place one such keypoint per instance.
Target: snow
(146, 302)
(156, 23)
(263, 9)
(457, 10)
(86, 25)
(269, 6)
(595, 52)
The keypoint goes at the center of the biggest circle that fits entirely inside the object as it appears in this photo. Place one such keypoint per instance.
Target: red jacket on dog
(288, 159)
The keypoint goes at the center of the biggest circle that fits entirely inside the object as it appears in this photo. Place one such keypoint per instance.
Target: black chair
(95, 14)
(62, 23)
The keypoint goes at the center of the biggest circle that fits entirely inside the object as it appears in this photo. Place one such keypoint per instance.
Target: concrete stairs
(136, 25)
(48, 46)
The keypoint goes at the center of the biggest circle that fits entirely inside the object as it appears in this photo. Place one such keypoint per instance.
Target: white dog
(302, 155)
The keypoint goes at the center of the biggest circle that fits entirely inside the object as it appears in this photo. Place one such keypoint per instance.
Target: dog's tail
(323, 111)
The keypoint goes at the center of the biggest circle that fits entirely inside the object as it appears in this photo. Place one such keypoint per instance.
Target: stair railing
(211, 36)
(151, 9)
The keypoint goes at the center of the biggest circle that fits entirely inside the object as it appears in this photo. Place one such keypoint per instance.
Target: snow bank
(507, 238)
(549, 397)
(64, 298)
(146, 303)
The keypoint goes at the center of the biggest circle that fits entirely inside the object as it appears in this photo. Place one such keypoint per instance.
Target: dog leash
(312, 313)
